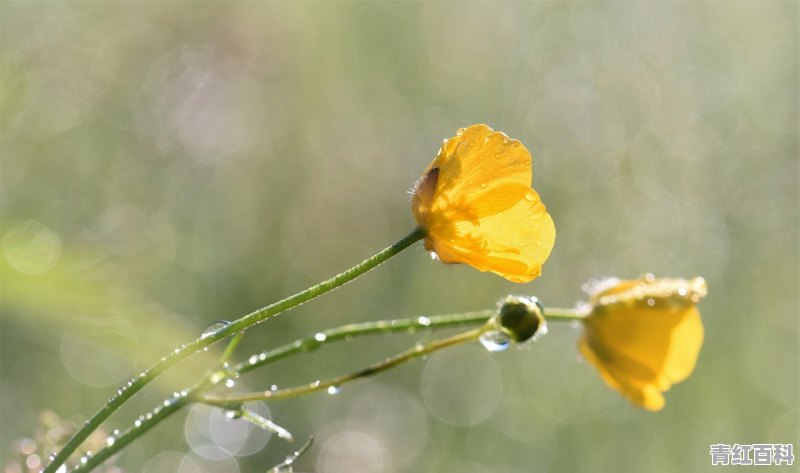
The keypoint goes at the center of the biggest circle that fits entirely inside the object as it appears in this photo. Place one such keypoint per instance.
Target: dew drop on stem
(213, 328)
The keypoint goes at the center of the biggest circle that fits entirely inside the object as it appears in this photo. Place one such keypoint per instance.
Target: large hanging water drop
(494, 340)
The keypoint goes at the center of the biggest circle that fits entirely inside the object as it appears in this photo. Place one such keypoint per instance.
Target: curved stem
(346, 332)
(421, 349)
(126, 392)
(142, 426)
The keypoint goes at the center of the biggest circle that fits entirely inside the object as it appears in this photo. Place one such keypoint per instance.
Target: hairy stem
(421, 349)
(126, 392)
(347, 332)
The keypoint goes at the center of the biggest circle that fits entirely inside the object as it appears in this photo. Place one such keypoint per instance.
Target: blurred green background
(165, 165)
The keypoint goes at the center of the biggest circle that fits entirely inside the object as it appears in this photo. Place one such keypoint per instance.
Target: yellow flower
(476, 203)
(644, 335)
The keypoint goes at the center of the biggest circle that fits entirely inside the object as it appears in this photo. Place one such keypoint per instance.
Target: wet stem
(227, 330)
(199, 393)
(343, 333)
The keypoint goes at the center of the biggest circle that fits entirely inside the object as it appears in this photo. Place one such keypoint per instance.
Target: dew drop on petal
(495, 340)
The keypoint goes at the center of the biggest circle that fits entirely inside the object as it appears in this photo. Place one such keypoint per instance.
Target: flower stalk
(225, 331)
(303, 345)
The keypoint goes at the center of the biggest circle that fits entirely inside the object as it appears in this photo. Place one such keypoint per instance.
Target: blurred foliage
(165, 165)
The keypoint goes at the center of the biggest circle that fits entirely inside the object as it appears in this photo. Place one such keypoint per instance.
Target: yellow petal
(477, 205)
(644, 335)
(635, 390)
(512, 242)
(480, 157)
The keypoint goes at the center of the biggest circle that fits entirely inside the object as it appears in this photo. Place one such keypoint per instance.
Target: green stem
(231, 347)
(421, 349)
(560, 314)
(346, 332)
(141, 426)
(126, 392)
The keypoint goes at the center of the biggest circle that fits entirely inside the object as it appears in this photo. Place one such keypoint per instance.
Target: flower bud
(520, 317)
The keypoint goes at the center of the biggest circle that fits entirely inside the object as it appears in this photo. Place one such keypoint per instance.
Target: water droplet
(651, 302)
(334, 390)
(315, 384)
(649, 277)
(530, 197)
(540, 332)
(52, 456)
(484, 185)
(137, 423)
(229, 383)
(433, 255)
(253, 359)
(110, 441)
(262, 357)
(231, 414)
(214, 328)
(273, 388)
(424, 321)
(497, 155)
(494, 340)
(320, 337)
(62, 469)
